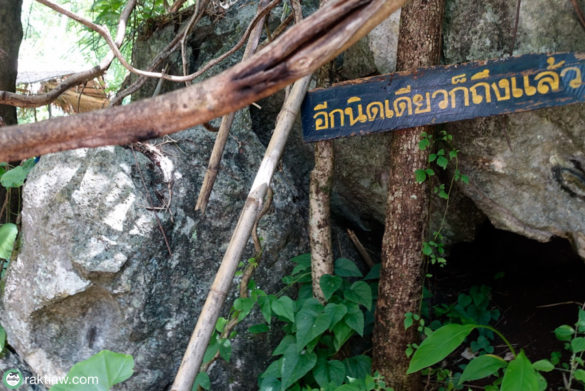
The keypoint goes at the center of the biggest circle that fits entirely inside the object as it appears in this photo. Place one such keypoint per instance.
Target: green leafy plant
(100, 372)
(573, 338)
(8, 233)
(310, 356)
(518, 374)
(10, 178)
(16, 176)
(473, 307)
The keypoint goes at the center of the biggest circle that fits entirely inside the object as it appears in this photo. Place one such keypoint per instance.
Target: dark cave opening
(535, 286)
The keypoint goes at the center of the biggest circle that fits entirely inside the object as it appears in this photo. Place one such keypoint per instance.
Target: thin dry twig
(13, 99)
(561, 303)
(515, 31)
(150, 204)
(173, 46)
(361, 249)
(103, 31)
(197, 14)
(579, 13)
(224, 128)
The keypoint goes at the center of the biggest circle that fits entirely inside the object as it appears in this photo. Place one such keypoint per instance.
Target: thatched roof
(79, 99)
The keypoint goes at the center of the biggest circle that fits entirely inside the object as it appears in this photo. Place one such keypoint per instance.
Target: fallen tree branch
(30, 101)
(226, 124)
(298, 52)
(221, 285)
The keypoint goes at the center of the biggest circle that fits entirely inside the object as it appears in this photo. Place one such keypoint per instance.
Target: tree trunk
(10, 37)
(319, 223)
(401, 277)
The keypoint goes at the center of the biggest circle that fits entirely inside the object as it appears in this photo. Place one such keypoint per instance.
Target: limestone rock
(526, 170)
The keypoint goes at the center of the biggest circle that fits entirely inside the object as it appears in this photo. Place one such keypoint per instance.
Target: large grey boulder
(526, 170)
(95, 272)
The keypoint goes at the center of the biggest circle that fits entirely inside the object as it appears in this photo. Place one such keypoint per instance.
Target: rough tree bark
(10, 37)
(401, 277)
(319, 224)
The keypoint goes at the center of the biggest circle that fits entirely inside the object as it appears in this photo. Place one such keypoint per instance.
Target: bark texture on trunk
(319, 223)
(10, 37)
(401, 277)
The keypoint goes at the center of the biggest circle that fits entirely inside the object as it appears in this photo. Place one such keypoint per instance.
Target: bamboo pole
(221, 285)
(226, 124)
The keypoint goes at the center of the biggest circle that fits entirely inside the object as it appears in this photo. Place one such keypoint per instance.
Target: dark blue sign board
(443, 94)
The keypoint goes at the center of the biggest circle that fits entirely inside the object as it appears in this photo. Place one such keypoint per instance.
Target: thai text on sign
(443, 94)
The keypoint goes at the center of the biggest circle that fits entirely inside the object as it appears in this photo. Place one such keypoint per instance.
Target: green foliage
(109, 368)
(434, 248)
(15, 177)
(8, 233)
(573, 338)
(307, 357)
(481, 367)
(518, 374)
(201, 380)
(2, 339)
(439, 345)
(473, 307)
(11, 178)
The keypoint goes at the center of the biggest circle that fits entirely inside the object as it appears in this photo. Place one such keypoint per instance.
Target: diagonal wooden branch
(13, 99)
(226, 124)
(296, 53)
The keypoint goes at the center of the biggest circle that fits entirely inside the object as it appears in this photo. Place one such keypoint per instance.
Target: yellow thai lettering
(418, 100)
(320, 117)
(577, 81)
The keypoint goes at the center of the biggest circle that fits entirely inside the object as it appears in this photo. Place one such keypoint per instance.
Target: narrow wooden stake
(226, 124)
(223, 280)
(319, 216)
(319, 204)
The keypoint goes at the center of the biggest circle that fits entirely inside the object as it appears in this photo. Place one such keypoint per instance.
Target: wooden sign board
(443, 94)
